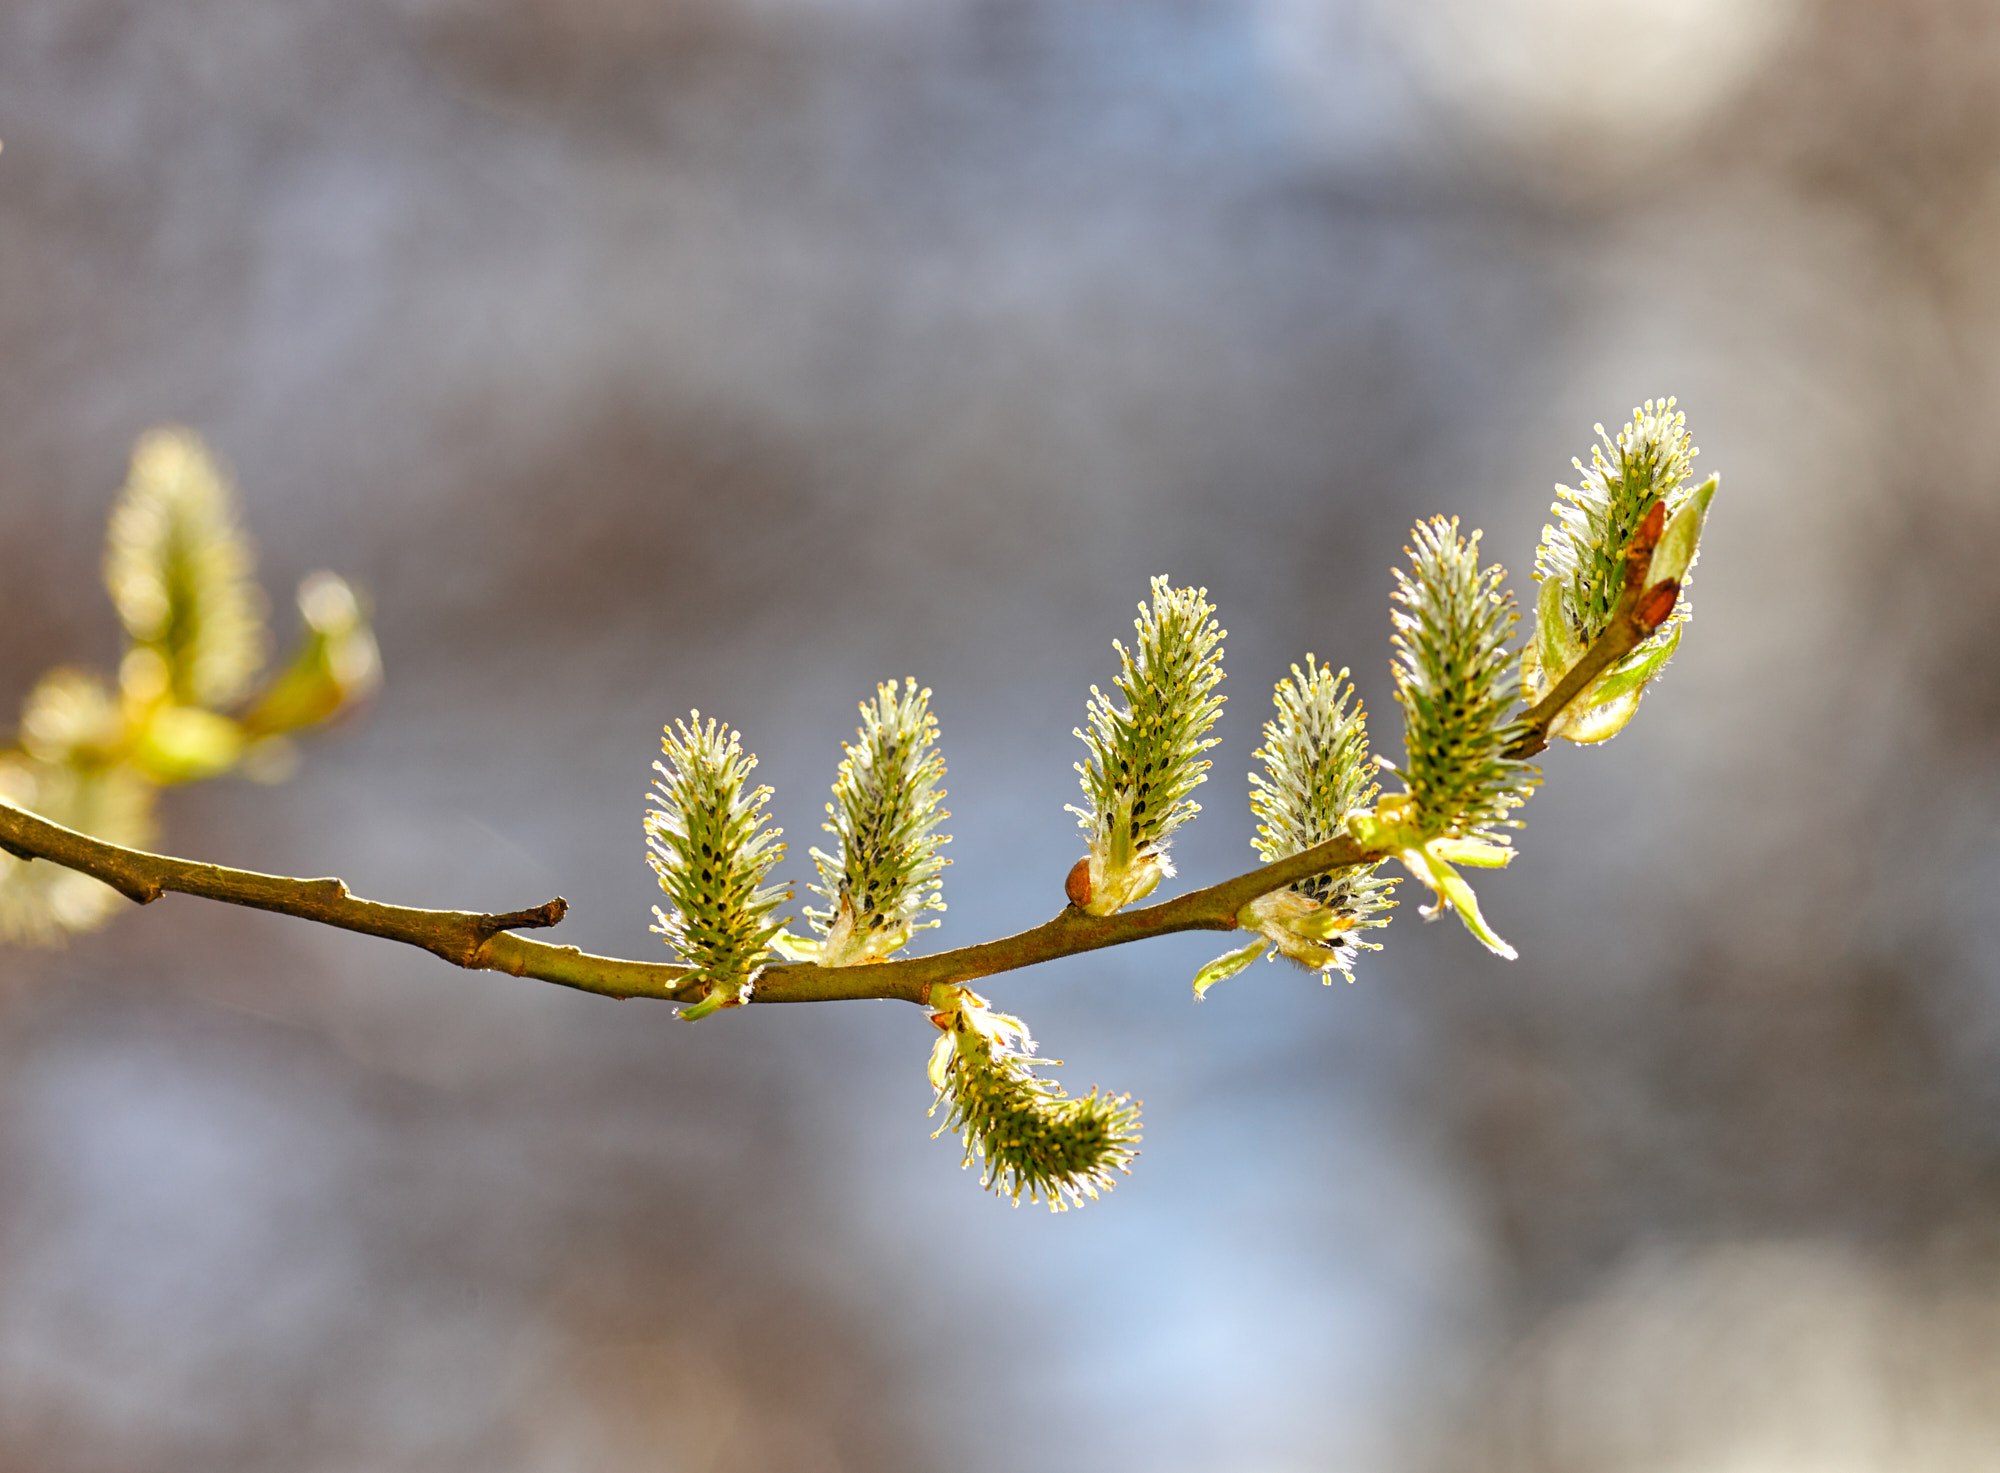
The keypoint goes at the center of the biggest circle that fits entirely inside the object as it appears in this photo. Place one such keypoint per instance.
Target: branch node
(139, 892)
(549, 913)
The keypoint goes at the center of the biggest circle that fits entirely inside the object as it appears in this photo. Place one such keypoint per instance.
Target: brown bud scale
(1657, 603)
(1077, 886)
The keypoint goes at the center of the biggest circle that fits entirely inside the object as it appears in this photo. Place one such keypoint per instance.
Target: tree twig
(489, 943)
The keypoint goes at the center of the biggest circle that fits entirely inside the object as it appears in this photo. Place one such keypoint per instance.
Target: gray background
(638, 355)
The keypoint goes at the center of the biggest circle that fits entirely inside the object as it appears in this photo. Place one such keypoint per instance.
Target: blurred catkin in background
(637, 356)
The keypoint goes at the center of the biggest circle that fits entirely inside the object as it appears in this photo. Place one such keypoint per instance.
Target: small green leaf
(1675, 553)
(719, 997)
(1552, 650)
(1479, 853)
(1632, 673)
(1612, 700)
(335, 667)
(1454, 894)
(1321, 924)
(940, 1064)
(794, 947)
(1228, 965)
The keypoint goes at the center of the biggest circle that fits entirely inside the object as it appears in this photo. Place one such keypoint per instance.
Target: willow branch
(487, 942)
(483, 942)
(456, 935)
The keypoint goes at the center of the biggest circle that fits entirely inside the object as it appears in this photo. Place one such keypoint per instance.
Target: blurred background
(640, 355)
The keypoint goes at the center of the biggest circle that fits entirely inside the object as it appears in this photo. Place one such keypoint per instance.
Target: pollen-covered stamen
(1030, 1138)
(884, 872)
(1457, 684)
(708, 845)
(1145, 757)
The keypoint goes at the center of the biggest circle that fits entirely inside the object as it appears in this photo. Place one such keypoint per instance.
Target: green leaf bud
(1680, 543)
(1317, 775)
